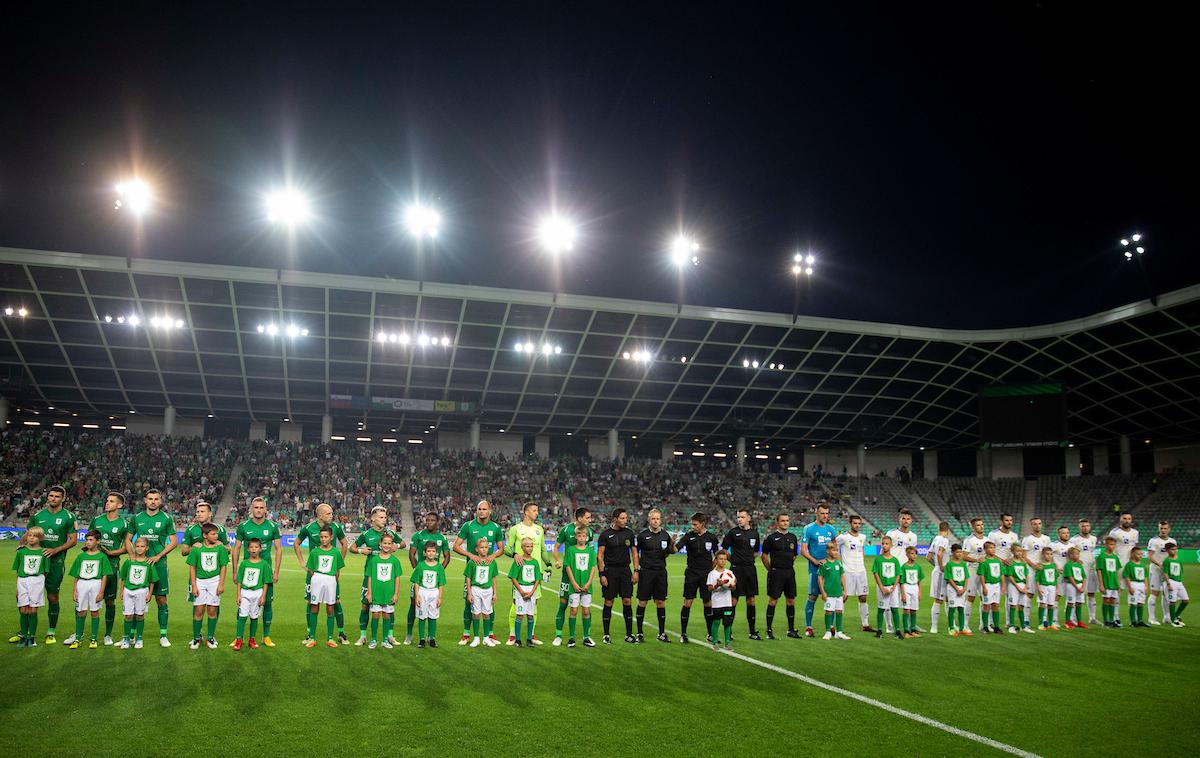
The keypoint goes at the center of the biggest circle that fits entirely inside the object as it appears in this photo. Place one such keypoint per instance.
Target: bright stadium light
(287, 207)
(422, 221)
(1135, 251)
(556, 234)
(684, 250)
(801, 264)
(133, 196)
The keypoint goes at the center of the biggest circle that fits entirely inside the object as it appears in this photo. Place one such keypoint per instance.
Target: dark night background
(954, 165)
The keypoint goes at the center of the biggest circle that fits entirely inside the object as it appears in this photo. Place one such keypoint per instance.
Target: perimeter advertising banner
(363, 403)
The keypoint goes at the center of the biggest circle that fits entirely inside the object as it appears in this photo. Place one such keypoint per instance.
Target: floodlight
(684, 248)
(287, 207)
(556, 234)
(422, 221)
(133, 196)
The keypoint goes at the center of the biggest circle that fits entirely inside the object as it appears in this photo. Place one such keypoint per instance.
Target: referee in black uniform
(700, 545)
(612, 559)
(779, 551)
(743, 545)
(651, 547)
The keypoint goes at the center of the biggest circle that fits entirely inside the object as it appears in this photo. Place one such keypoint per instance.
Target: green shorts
(55, 571)
(162, 586)
(110, 587)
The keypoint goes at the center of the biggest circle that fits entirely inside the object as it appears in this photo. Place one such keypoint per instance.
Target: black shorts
(724, 615)
(620, 582)
(746, 578)
(652, 585)
(781, 581)
(696, 581)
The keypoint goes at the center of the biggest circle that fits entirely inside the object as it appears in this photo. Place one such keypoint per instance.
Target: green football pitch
(1056, 693)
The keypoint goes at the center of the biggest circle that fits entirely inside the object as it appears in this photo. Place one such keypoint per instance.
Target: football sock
(312, 626)
(728, 631)
(212, 627)
(254, 627)
(389, 621)
(809, 605)
(828, 621)
(432, 625)
(340, 616)
(751, 616)
(879, 620)
(268, 614)
(714, 630)
(364, 616)
(1091, 604)
(662, 620)
(475, 627)
(561, 614)
(896, 619)
(139, 626)
(410, 619)
(241, 627)
(95, 626)
(605, 620)
(512, 616)
(52, 617)
(770, 618)
(628, 620)
(78, 627)
(310, 616)
(374, 629)
(421, 625)
(790, 610)
(936, 611)
(684, 613)
(587, 627)
(864, 613)
(641, 618)
(517, 627)
(571, 624)
(330, 623)
(488, 626)
(837, 621)
(196, 624)
(163, 616)
(467, 620)
(110, 616)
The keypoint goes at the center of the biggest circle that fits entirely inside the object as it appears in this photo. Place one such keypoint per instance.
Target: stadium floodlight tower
(801, 264)
(1134, 250)
(133, 196)
(556, 236)
(684, 253)
(423, 223)
(287, 207)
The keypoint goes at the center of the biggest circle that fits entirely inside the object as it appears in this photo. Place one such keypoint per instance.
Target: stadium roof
(1133, 370)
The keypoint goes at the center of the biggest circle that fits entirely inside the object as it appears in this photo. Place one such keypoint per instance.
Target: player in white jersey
(1156, 551)
(1127, 539)
(1004, 538)
(851, 547)
(1059, 548)
(1034, 543)
(938, 555)
(902, 540)
(1086, 542)
(973, 554)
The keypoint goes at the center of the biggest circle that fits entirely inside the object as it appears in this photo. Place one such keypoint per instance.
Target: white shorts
(856, 585)
(207, 591)
(524, 607)
(1017, 598)
(249, 607)
(1156, 579)
(481, 600)
(134, 602)
(86, 589)
(990, 594)
(834, 605)
(886, 602)
(912, 598)
(955, 600)
(937, 586)
(1137, 596)
(1111, 594)
(322, 588)
(1176, 592)
(1072, 595)
(429, 608)
(1047, 595)
(580, 600)
(373, 608)
(31, 591)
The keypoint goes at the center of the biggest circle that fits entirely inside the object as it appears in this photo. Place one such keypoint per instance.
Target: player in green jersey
(526, 527)
(991, 580)
(267, 531)
(1135, 574)
(206, 573)
(481, 583)
(1075, 588)
(251, 578)
(367, 545)
(326, 564)
(480, 527)
(311, 533)
(526, 579)
(886, 571)
(194, 534)
(833, 592)
(429, 579)
(59, 536)
(1108, 571)
(911, 576)
(383, 589)
(1047, 585)
(1177, 594)
(30, 565)
(430, 535)
(91, 570)
(159, 530)
(137, 576)
(956, 575)
(564, 538)
(113, 529)
(580, 568)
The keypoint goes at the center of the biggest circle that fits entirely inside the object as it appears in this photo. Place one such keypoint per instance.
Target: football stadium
(264, 489)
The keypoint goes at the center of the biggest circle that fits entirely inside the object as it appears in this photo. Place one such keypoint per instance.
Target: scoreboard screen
(1023, 414)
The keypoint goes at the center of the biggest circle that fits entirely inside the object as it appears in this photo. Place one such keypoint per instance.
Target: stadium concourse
(291, 428)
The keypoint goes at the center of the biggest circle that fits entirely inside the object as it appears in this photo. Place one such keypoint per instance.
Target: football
(728, 578)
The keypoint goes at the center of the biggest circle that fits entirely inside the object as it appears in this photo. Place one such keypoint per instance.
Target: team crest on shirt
(89, 569)
(33, 564)
(137, 574)
(383, 571)
(58, 521)
(324, 563)
(708, 546)
(429, 579)
(527, 573)
(752, 542)
(581, 561)
(251, 576)
(208, 561)
(664, 544)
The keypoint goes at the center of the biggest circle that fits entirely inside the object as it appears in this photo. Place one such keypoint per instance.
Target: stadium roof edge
(530, 297)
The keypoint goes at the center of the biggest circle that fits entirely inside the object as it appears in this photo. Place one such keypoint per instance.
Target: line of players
(621, 560)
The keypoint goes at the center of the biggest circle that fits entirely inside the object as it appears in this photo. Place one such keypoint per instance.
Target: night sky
(948, 165)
